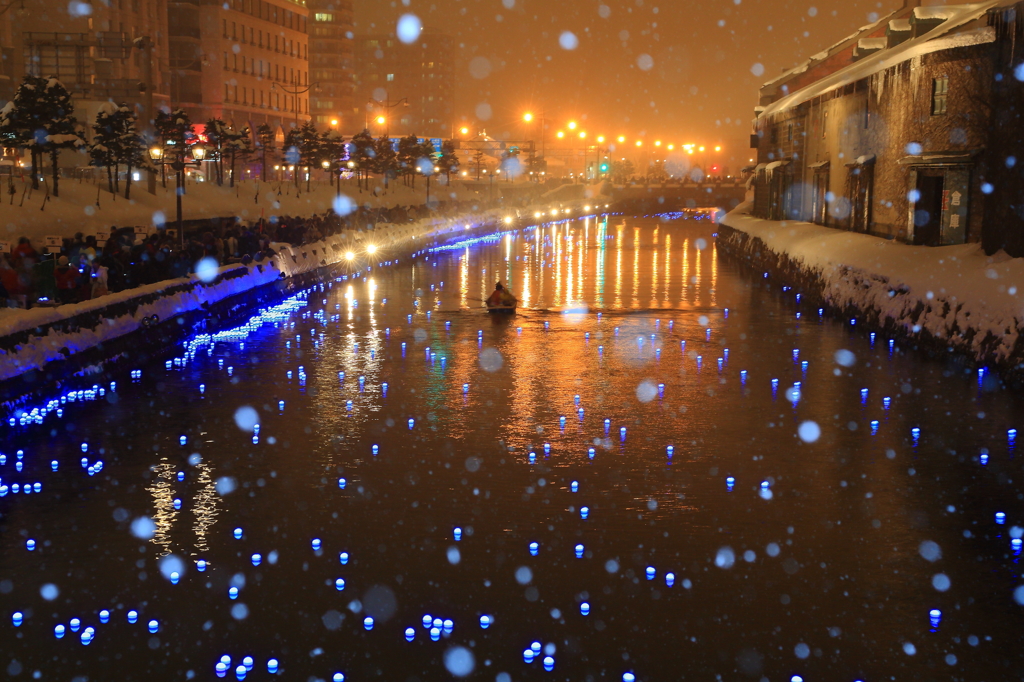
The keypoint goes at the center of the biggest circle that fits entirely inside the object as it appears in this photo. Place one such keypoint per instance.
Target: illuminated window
(323, 16)
(391, 77)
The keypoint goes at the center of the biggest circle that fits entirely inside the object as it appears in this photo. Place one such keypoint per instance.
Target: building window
(940, 92)
(391, 77)
(789, 133)
(824, 122)
(321, 16)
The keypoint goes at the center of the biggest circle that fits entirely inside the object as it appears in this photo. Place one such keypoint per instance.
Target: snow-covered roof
(871, 43)
(824, 54)
(899, 25)
(932, 41)
(936, 12)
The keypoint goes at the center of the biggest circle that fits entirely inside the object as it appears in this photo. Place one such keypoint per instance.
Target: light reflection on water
(848, 513)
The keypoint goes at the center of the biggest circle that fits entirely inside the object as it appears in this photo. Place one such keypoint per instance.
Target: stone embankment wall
(954, 303)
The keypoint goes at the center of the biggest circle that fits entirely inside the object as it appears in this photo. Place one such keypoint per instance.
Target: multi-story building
(410, 86)
(244, 61)
(331, 64)
(93, 48)
(905, 130)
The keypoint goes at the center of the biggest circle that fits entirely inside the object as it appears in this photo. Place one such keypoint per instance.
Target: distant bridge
(657, 198)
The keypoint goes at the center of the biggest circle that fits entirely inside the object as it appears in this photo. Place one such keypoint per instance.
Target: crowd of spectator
(82, 269)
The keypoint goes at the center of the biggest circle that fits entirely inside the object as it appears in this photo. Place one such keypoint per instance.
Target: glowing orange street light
(701, 148)
(600, 139)
(380, 120)
(657, 143)
(572, 125)
(583, 134)
(671, 147)
(559, 134)
(334, 122)
(718, 149)
(464, 130)
(622, 138)
(527, 117)
(639, 143)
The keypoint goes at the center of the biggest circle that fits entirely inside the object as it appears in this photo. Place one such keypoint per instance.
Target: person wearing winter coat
(66, 279)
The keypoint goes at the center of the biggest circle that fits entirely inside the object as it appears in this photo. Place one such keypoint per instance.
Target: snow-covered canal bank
(949, 298)
(657, 469)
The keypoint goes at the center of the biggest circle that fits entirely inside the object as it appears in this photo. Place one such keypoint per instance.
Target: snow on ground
(955, 293)
(392, 240)
(76, 210)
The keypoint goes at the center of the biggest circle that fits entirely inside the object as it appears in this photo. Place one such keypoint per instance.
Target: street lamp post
(529, 118)
(429, 171)
(21, 11)
(387, 105)
(178, 164)
(295, 91)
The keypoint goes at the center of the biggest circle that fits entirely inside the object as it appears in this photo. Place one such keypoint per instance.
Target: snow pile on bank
(173, 297)
(53, 333)
(87, 207)
(973, 302)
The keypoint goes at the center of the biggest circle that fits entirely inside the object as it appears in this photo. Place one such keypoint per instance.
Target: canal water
(721, 484)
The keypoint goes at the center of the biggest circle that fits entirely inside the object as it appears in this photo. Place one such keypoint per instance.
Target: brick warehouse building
(906, 129)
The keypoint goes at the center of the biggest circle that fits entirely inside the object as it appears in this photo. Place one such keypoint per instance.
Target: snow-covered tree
(218, 136)
(621, 171)
(265, 138)
(310, 148)
(303, 147)
(385, 161)
(656, 172)
(448, 160)
(362, 153)
(41, 119)
(174, 130)
(333, 150)
(409, 154)
(239, 145)
(116, 141)
(101, 149)
(478, 159)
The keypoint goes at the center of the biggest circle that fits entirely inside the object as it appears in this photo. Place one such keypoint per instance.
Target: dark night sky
(700, 84)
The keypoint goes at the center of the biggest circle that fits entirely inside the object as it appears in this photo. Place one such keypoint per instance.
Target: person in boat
(501, 297)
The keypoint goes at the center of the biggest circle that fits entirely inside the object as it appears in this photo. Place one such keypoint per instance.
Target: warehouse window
(940, 92)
